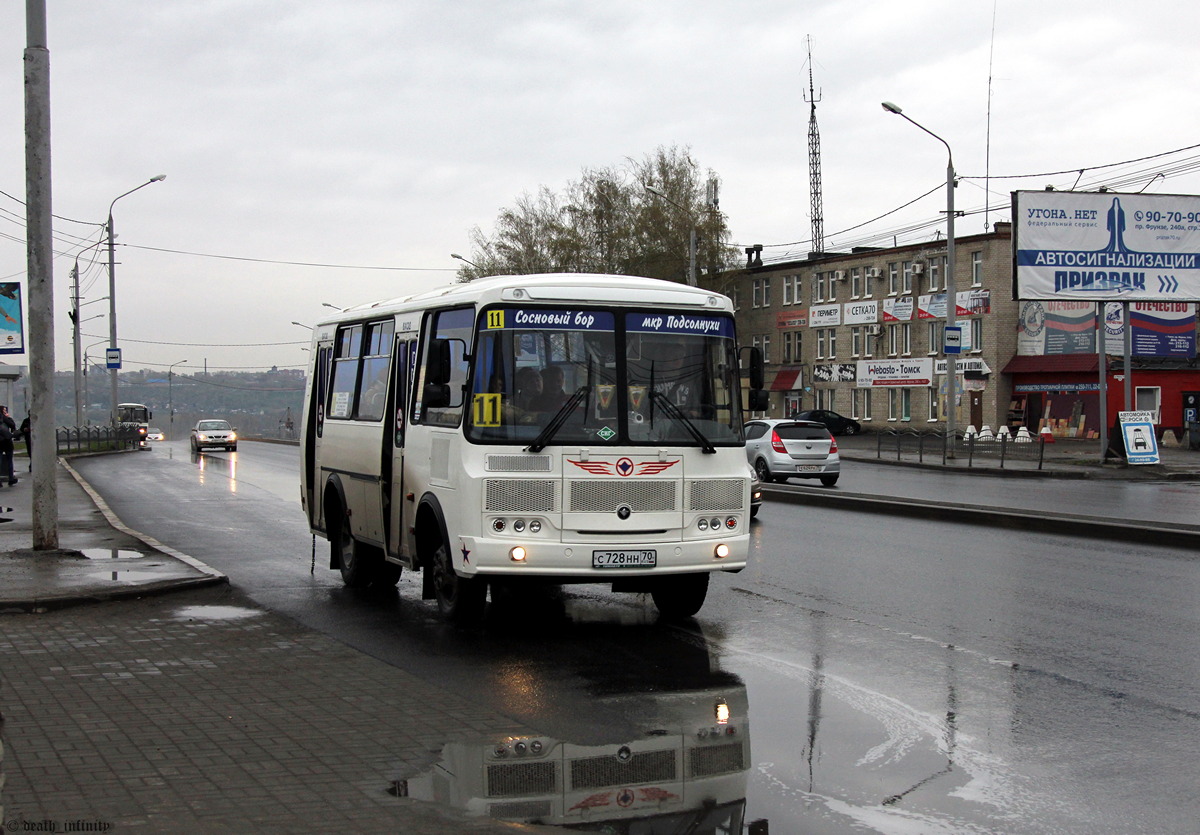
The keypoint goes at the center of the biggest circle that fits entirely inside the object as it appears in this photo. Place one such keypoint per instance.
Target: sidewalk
(196, 711)
(1065, 458)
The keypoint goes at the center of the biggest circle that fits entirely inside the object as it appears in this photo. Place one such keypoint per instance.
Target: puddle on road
(216, 613)
(111, 554)
(685, 770)
(126, 576)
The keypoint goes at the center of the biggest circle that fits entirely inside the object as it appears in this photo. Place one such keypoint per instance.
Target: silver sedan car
(780, 449)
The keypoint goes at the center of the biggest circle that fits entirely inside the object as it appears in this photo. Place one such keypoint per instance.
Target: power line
(203, 344)
(290, 263)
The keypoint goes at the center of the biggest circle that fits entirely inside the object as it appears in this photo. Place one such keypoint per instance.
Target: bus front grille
(718, 494)
(515, 779)
(602, 772)
(717, 759)
(605, 496)
(520, 495)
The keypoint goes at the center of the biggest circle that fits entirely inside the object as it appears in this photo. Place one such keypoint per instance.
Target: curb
(1093, 527)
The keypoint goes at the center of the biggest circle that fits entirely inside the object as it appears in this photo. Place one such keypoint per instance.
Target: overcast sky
(377, 133)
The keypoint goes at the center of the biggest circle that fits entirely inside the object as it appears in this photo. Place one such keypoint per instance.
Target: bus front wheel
(460, 599)
(680, 595)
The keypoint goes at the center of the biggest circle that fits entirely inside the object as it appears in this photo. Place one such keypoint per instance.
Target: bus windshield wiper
(556, 422)
(674, 413)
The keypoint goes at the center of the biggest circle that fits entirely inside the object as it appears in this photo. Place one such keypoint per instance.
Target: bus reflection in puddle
(686, 772)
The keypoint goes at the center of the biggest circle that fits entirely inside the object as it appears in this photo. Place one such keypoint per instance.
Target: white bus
(563, 427)
(135, 416)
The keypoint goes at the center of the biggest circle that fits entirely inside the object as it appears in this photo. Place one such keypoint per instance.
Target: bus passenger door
(399, 512)
(313, 429)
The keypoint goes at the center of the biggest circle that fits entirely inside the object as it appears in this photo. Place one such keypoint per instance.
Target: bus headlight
(702, 524)
(722, 712)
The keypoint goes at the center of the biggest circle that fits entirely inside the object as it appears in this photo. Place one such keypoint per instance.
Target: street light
(951, 300)
(171, 400)
(112, 285)
(657, 192)
(302, 325)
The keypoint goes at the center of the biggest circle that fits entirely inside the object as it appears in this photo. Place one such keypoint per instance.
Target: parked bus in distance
(137, 417)
(564, 427)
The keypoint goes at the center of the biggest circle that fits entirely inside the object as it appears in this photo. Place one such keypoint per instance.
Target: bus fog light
(535, 526)
(714, 523)
(722, 712)
(702, 524)
(519, 525)
(517, 554)
(721, 551)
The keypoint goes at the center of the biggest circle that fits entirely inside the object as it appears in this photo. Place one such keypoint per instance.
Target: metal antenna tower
(814, 162)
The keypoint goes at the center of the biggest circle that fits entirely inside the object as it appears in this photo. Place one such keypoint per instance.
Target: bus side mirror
(759, 399)
(435, 396)
(756, 367)
(437, 364)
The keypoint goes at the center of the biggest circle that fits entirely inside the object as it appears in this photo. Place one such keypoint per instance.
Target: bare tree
(609, 222)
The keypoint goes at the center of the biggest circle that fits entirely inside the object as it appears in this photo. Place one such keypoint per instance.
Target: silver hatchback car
(780, 449)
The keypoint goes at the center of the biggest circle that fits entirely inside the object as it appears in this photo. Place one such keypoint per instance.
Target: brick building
(827, 323)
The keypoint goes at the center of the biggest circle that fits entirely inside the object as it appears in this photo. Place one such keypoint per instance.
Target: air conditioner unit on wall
(874, 330)
(918, 268)
(839, 275)
(872, 272)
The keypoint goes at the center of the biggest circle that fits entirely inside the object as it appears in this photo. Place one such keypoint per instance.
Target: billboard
(12, 323)
(1104, 246)
(1157, 329)
(900, 373)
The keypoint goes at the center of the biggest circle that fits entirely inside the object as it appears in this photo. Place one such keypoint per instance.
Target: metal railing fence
(971, 448)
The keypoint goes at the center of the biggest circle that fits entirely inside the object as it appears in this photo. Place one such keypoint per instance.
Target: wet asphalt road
(901, 676)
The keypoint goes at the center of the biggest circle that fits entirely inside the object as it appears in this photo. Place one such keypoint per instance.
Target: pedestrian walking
(8, 430)
(26, 432)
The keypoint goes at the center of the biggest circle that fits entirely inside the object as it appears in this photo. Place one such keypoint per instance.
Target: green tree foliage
(609, 222)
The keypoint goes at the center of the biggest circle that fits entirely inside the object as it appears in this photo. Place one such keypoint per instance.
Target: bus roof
(569, 288)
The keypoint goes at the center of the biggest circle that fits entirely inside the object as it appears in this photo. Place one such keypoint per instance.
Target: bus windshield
(604, 377)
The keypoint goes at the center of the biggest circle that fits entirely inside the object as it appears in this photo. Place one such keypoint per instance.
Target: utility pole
(40, 255)
(76, 346)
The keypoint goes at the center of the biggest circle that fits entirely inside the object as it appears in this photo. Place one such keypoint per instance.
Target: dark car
(835, 423)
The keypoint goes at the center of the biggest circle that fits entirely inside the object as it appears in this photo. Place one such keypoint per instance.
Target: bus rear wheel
(680, 595)
(361, 565)
(460, 599)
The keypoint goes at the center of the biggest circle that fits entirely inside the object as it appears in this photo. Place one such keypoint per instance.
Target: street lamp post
(112, 285)
(657, 192)
(951, 299)
(171, 400)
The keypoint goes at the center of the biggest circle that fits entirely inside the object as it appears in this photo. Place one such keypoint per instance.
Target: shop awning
(786, 379)
(1053, 364)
